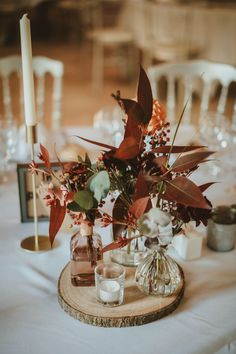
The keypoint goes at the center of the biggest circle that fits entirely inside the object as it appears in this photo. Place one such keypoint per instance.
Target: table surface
(31, 320)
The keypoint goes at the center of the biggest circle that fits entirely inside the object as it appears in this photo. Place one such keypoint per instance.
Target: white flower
(165, 234)
(156, 223)
(43, 188)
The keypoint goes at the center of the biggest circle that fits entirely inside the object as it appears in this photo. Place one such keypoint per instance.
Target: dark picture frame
(24, 179)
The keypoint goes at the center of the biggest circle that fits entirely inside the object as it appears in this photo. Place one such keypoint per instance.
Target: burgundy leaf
(141, 197)
(128, 149)
(57, 215)
(139, 206)
(189, 161)
(133, 109)
(97, 143)
(175, 149)
(121, 242)
(161, 161)
(141, 188)
(44, 156)
(185, 192)
(118, 214)
(132, 128)
(70, 196)
(135, 116)
(156, 179)
(145, 95)
(205, 186)
(187, 214)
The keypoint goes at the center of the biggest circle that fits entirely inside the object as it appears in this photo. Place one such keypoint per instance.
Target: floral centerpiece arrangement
(79, 190)
(148, 172)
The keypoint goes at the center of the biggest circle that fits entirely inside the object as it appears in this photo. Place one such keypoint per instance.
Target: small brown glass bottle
(85, 254)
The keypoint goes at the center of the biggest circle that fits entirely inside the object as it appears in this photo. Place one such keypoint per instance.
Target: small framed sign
(26, 194)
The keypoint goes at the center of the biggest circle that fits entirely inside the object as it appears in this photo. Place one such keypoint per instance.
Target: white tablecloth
(32, 322)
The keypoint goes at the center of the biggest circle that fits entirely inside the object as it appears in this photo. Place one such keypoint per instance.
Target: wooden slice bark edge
(107, 320)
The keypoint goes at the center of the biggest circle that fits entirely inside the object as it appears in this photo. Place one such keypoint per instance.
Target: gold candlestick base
(29, 244)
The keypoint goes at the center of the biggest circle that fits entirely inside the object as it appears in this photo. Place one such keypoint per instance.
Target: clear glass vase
(85, 255)
(158, 273)
(132, 254)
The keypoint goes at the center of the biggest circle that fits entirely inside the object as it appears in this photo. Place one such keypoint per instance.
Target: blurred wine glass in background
(216, 133)
(108, 122)
(8, 141)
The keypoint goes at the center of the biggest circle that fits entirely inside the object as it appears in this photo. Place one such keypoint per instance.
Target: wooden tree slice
(137, 309)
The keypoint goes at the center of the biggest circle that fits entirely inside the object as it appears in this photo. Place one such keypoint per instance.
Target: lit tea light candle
(109, 291)
(109, 281)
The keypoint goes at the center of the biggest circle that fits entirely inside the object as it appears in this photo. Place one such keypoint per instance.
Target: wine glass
(108, 121)
(215, 133)
(8, 141)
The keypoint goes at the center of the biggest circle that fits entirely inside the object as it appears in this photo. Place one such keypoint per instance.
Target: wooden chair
(114, 37)
(166, 32)
(195, 78)
(41, 66)
(169, 44)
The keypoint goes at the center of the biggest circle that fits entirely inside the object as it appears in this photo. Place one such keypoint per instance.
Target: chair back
(186, 80)
(41, 66)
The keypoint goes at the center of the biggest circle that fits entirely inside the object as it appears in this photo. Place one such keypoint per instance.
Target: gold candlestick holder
(35, 243)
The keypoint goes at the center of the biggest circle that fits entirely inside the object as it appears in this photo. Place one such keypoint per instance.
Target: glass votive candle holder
(109, 282)
(221, 229)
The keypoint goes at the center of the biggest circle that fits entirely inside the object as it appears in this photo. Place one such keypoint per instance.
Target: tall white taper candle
(29, 104)
(27, 69)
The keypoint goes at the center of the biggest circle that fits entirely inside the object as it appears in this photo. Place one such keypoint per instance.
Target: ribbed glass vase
(132, 254)
(158, 273)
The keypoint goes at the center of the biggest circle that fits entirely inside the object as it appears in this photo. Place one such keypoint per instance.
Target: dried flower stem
(124, 196)
(129, 244)
(176, 130)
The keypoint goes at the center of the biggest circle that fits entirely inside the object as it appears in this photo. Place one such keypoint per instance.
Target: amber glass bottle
(85, 254)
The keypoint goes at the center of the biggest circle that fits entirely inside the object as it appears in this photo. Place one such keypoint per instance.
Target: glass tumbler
(109, 282)
(221, 229)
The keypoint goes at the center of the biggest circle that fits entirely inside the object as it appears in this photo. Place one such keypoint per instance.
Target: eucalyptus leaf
(84, 199)
(99, 184)
(73, 206)
(87, 160)
(95, 203)
(79, 158)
